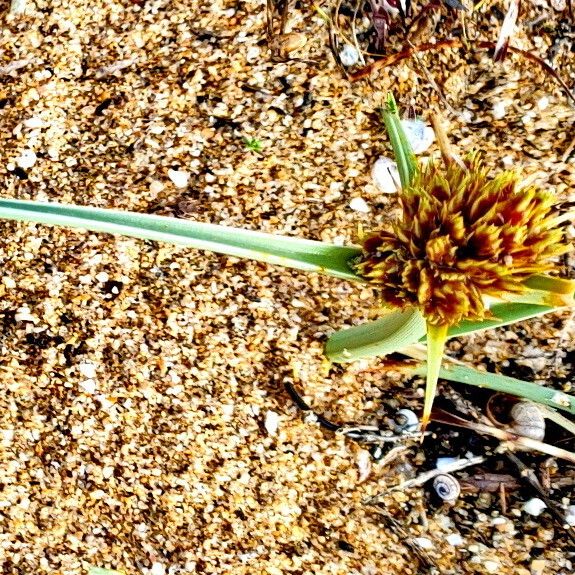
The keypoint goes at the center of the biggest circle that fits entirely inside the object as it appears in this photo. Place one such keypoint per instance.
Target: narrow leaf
(362, 341)
(404, 156)
(552, 284)
(436, 338)
(497, 382)
(504, 314)
(290, 252)
(391, 333)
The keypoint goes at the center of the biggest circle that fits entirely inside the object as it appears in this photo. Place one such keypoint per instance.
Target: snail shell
(406, 421)
(447, 487)
(289, 42)
(528, 420)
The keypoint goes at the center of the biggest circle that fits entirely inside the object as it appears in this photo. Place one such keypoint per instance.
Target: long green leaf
(391, 333)
(290, 252)
(361, 341)
(504, 314)
(503, 383)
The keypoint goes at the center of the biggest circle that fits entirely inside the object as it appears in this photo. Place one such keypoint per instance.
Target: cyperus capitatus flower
(463, 236)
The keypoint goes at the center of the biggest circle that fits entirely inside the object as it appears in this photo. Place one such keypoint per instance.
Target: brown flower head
(462, 235)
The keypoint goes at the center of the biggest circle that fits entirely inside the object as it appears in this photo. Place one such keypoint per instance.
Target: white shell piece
(570, 516)
(423, 542)
(349, 56)
(454, 539)
(271, 422)
(364, 465)
(359, 205)
(179, 178)
(419, 134)
(26, 159)
(534, 506)
(385, 175)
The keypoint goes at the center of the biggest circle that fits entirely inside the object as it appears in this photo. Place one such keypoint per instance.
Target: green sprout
(470, 253)
(252, 144)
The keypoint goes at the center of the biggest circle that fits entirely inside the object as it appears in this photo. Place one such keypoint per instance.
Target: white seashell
(359, 205)
(499, 109)
(534, 506)
(364, 465)
(447, 487)
(406, 421)
(570, 516)
(528, 420)
(349, 56)
(419, 135)
(87, 369)
(385, 175)
(26, 159)
(423, 542)
(445, 462)
(271, 422)
(89, 386)
(454, 539)
(179, 178)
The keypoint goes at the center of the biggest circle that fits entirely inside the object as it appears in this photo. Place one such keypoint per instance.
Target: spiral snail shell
(521, 417)
(447, 487)
(406, 421)
(528, 420)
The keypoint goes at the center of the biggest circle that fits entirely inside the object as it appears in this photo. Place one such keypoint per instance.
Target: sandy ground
(141, 382)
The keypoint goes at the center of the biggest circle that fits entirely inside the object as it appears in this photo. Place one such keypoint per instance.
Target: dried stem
(455, 43)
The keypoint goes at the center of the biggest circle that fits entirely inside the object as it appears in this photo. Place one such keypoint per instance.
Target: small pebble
(359, 205)
(157, 569)
(499, 109)
(107, 472)
(454, 539)
(491, 566)
(349, 56)
(34, 123)
(423, 542)
(26, 159)
(385, 175)
(534, 506)
(271, 422)
(570, 516)
(156, 186)
(88, 386)
(179, 178)
(87, 369)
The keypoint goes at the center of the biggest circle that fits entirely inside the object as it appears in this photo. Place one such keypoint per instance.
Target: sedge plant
(471, 252)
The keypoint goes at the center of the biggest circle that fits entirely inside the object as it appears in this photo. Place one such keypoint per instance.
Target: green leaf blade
(389, 334)
(404, 156)
(505, 384)
(306, 255)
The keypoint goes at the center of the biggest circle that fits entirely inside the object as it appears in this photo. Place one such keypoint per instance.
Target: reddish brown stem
(454, 43)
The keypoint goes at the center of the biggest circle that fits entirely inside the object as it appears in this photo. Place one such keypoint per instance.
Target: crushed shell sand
(138, 378)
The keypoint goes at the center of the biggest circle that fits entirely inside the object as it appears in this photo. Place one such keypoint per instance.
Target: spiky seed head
(462, 235)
